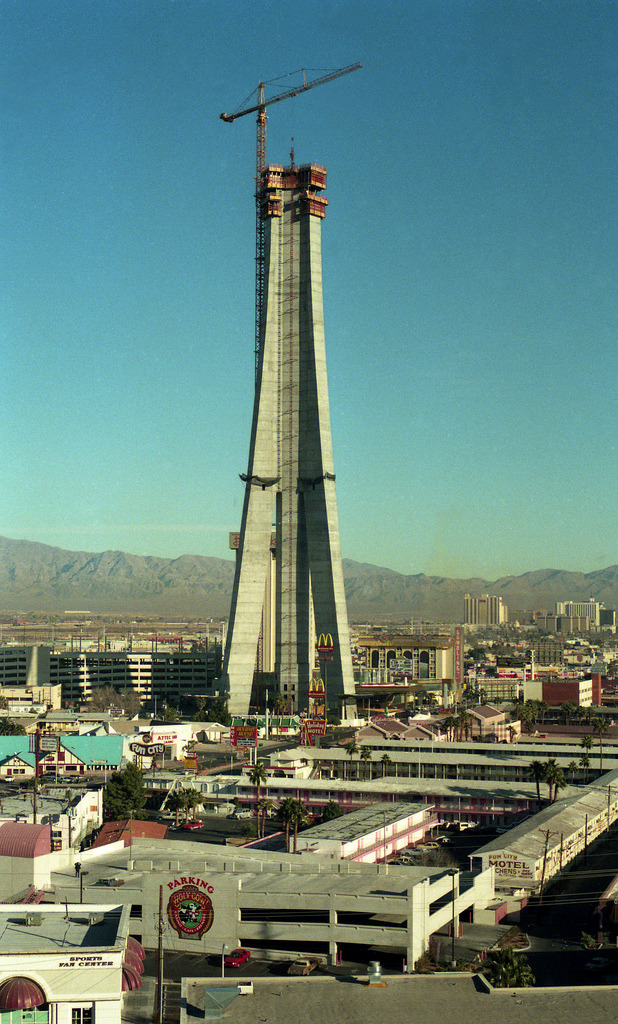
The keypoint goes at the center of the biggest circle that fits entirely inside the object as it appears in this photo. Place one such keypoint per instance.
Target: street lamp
(453, 874)
(224, 949)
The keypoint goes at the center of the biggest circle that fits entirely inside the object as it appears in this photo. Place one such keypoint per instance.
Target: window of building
(81, 1015)
(40, 1015)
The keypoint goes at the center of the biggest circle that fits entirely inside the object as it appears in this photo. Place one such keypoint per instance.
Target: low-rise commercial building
(66, 964)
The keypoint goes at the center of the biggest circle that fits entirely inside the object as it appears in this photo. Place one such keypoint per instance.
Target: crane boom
(260, 164)
(290, 92)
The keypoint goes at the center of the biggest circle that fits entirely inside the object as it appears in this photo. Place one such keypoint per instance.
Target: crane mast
(260, 163)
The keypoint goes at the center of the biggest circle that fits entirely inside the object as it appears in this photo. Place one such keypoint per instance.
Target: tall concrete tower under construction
(290, 475)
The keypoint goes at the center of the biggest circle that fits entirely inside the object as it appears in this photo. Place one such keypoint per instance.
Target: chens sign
(147, 749)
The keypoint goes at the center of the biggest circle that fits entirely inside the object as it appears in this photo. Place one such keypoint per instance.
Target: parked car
(190, 826)
(599, 964)
(237, 957)
(303, 966)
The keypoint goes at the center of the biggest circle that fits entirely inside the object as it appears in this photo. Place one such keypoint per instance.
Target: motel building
(372, 834)
(66, 964)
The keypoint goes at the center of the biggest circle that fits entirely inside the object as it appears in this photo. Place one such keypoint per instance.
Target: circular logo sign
(190, 912)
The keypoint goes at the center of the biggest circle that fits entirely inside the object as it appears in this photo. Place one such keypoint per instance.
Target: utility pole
(37, 743)
(547, 835)
(160, 961)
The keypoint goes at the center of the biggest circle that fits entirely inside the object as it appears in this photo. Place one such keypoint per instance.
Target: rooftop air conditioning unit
(32, 920)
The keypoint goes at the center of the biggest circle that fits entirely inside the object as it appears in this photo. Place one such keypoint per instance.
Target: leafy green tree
(170, 713)
(10, 728)
(507, 969)
(331, 811)
(213, 710)
(125, 794)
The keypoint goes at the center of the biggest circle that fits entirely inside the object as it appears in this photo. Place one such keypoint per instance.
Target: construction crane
(260, 164)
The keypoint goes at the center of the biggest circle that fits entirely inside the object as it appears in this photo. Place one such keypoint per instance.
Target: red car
(237, 957)
(190, 826)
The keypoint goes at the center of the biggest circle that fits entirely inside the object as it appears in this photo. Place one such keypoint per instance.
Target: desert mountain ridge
(37, 577)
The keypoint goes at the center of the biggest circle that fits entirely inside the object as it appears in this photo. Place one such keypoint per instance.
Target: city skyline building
(290, 473)
(484, 611)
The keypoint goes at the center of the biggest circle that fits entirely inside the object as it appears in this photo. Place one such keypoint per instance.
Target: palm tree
(194, 800)
(386, 763)
(554, 777)
(292, 813)
(536, 771)
(600, 726)
(463, 722)
(351, 749)
(585, 763)
(572, 768)
(365, 755)
(448, 725)
(262, 807)
(257, 776)
(300, 817)
(507, 969)
(174, 803)
(183, 797)
(569, 709)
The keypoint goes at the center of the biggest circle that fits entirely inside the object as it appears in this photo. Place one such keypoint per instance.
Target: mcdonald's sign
(325, 646)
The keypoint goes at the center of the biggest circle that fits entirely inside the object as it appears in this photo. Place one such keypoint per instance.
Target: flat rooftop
(352, 826)
(259, 871)
(37, 928)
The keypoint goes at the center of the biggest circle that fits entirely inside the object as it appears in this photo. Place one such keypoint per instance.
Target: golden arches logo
(325, 640)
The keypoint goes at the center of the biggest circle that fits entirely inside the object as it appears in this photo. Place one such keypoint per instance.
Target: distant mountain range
(39, 578)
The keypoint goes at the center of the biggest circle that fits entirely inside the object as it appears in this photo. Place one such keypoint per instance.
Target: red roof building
(127, 831)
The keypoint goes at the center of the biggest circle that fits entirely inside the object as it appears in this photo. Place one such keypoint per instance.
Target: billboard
(147, 749)
(244, 736)
(325, 647)
(317, 699)
(458, 658)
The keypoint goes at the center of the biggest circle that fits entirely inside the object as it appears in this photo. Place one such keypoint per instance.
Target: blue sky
(469, 257)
